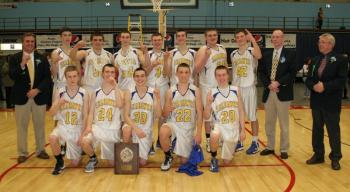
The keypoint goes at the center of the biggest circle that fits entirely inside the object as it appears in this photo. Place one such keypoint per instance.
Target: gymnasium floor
(245, 173)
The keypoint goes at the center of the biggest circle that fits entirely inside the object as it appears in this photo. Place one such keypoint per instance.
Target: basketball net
(157, 5)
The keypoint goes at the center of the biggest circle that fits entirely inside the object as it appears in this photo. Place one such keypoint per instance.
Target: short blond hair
(329, 37)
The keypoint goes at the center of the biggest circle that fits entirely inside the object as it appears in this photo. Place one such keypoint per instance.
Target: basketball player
(184, 108)
(141, 107)
(181, 54)
(244, 65)
(71, 109)
(208, 58)
(59, 61)
(103, 123)
(225, 103)
(95, 58)
(127, 59)
(156, 75)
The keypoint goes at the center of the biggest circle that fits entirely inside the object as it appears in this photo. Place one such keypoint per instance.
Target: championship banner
(194, 40)
(108, 40)
(10, 39)
(48, 41)
(289, 41)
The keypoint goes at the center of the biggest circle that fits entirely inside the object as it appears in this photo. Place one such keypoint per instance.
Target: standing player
(103, 124)
(226, 104)
(141, 107)
(181, 54)
(71, 109)
(184, 108)
(244, 65)
(127, 59)
(95, 58)
(157, 77)
(209, 57)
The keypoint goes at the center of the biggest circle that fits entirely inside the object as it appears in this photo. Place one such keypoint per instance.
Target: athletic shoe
(90, 167)
(214, 165)
(207, 145)
(239, 146)
(166, 165)
(59, 167)
(63, 149)
(151, 150)
(254, 148)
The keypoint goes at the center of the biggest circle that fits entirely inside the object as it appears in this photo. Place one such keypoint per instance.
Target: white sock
(255, 138)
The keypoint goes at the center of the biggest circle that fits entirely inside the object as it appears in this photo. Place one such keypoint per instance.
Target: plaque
(126, 156)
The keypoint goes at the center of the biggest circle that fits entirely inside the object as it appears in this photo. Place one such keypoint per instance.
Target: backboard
(166, 4)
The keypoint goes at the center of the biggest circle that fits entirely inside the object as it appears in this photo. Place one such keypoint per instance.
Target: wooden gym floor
(245, 173)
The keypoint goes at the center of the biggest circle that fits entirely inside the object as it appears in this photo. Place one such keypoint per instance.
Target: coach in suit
(31, 74)
(277, 71)
(326, 80)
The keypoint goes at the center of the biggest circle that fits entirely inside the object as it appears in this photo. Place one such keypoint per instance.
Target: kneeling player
(228, 114)
(183, 104)
(141, 105)
(71, 107)
(103, 124)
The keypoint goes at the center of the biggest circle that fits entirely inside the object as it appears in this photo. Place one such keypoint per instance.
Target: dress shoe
(21, 159)
(335, 165)
(43, 155)
(267, 152)
(284, 155)
(315, 160)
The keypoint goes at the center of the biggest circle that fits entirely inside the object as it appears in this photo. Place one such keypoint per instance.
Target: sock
(213, 153)
(167, 153)
(93, 156)
(59, 157)
(207, 135)
(255, 138)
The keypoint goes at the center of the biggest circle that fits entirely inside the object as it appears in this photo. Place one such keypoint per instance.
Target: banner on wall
(195, 40)
(108, 40)
(47, 41)
(229, 40)
(10, 39)
(289, 41)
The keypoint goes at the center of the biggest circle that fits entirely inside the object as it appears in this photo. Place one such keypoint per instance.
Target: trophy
(126, 156)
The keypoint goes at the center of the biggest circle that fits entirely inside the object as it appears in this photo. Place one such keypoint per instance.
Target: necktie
(274, 66)
(30, 66)
(322, 66)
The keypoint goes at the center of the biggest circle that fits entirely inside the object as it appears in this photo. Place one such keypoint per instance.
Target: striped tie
(322, 66)
(274, 66)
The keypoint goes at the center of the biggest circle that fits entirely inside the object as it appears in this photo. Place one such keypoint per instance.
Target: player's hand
(166, 54)
(207, 52)
(198, 138)
(143, 47)
(55, 58)
(62, 101)
(140, 134)
(25, 59)
(242, 135)
(86, 131)
(80, 44)
(32, 93)
(319, 88)
(249, 36)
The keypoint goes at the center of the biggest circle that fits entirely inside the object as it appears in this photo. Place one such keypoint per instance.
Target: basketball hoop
(157, 5)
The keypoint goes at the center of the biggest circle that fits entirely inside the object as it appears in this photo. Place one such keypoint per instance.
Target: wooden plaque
(126, 156)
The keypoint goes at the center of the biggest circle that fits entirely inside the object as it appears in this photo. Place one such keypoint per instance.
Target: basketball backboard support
(166, 4)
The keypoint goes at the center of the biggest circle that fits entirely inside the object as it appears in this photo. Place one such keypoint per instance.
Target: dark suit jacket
(285, 74)
(333, 78)
(21, 78)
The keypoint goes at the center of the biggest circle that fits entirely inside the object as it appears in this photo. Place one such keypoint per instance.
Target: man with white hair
(277, 72)
(326, 79)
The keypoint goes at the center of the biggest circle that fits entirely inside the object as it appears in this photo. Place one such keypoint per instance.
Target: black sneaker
(90, 167)
(151, 150)
(59, 167)
(166, 165)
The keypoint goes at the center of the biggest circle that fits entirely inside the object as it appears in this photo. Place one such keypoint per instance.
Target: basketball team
(100, 98)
